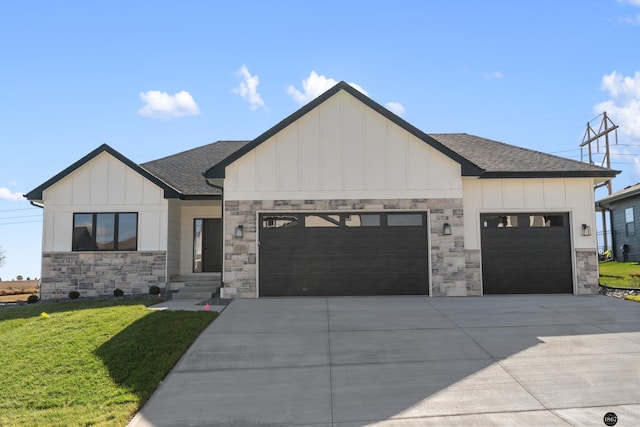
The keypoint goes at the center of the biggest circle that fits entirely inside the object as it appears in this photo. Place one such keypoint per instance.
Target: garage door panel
(526, 253)
(334, 257)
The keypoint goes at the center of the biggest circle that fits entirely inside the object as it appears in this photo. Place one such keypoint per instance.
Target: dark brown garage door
(340, 254)
(526, 253)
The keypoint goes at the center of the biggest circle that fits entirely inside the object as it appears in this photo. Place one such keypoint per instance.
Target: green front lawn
(88, 362)
(617, 274)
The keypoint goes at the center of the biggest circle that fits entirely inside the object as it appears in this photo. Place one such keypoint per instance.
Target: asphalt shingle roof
(627, 192)
(183, 171)
(500, 159)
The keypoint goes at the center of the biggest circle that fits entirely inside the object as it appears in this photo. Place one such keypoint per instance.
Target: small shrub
(74, 294)
(118, 292)
(154, 290)
(32, 299)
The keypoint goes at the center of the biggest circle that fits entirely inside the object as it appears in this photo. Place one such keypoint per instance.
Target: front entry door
(207, 245)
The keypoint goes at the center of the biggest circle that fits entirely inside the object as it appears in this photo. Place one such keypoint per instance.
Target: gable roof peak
(468, 168)
(36, 193)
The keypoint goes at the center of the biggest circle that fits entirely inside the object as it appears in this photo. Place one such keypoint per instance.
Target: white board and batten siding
(104, 184)
(573, 195)
(343, 149)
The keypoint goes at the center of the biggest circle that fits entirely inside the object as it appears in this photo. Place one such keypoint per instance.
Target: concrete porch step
(209, 277)
(195, 286)
(194, 295)
(190, 287)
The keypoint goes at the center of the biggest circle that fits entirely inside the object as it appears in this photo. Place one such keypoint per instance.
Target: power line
(14, 210)
(564, 151)
(20, 217)
(20, 222)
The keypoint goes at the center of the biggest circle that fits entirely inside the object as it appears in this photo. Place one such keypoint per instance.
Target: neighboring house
(624, 207)
(343, 197)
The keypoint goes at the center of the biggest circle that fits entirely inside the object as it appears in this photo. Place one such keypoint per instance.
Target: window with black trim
(629, 221)
(105, 231)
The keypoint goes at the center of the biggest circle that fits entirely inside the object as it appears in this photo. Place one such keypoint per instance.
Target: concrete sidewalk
(185, 305)
(408, 361)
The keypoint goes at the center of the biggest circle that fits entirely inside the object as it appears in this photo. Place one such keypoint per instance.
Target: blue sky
(155, 78)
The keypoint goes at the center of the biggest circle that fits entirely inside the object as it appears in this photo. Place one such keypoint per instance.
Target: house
(342, 197)
(624, 208)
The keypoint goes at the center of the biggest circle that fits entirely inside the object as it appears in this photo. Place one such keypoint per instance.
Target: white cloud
(315, 85)
(623, 108)
(631, 2)
(248, 88)
(395, 107)
(492, 75)
(161, 105)
(620, 86)
(622, 156)
(6, 194)
(632, 21)
(624, 105)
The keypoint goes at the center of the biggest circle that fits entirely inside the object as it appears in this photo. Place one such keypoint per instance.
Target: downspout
(219, 184)
(38, 205)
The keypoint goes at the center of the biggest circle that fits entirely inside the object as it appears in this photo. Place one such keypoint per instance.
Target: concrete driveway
(408, 361)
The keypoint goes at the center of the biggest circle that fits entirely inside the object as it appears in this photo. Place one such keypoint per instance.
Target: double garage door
(343, 254)
(526, 253)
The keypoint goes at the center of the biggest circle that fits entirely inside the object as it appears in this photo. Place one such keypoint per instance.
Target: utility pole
(591, 136)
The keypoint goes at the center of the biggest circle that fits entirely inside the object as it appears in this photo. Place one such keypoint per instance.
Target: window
(500, 221)
(404, 220)
(105, 232)
(279, 221)
(362, 220)
(546, 221)
(322, 220)
(629, 220)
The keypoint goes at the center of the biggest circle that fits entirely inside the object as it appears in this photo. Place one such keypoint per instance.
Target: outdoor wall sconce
(446, 229)
(239, 232)
(586, 230)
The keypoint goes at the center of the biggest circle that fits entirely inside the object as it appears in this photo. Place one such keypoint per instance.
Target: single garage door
(526, 253)
(341, 254)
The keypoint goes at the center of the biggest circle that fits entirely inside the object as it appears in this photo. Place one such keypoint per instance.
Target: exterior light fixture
(446, 229)
(239, 232)
(586, 230)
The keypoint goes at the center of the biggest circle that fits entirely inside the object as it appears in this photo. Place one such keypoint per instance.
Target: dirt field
(17, 290)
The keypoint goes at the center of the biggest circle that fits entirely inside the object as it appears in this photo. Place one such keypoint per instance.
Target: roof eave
(550, 174)
(202, 197)
(616, 198)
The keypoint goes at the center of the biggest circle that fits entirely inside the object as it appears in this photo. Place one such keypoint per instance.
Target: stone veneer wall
(474, 271)
(451, 267)
(99, 273)
(587, 271)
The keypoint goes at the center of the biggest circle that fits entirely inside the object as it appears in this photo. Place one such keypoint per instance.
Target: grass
(90, 362)
(617, 274)
(635, 298)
